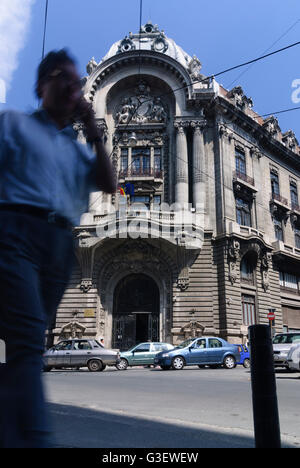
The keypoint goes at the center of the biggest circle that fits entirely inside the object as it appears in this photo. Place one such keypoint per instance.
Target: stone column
(198, 165)
(181, 174)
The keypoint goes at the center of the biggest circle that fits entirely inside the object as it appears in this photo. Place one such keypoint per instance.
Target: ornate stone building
(179, 139)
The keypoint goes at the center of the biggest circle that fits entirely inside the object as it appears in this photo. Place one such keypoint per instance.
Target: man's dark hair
(49, 63)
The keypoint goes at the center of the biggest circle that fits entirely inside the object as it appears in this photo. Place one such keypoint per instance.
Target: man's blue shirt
(43, 166)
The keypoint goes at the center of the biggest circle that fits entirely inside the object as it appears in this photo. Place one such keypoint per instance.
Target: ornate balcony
(241, 176)
(140, 173)
(276, 197)
(296, 208)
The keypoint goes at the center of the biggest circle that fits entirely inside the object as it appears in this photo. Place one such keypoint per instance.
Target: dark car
(210, 350)
(80, 353)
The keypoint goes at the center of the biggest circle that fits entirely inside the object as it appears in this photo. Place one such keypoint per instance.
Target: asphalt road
(151, 408)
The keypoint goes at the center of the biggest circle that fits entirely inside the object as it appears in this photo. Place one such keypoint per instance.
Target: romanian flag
(122, 192)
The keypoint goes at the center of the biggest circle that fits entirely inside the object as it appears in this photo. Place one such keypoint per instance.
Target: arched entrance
(135, 311)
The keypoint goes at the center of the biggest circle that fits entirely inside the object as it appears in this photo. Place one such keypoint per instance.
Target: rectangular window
(243, 212)
(124, 160)
(144, 201)
(289, 281)
(141, 161)
(297, 237)
(275, 183)
(248, 310)
(240, 162)
(157, 161)
(278, 229)
(156, 202)
(294, 194)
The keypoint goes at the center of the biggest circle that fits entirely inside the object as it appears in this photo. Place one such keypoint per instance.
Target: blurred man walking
(46, 178)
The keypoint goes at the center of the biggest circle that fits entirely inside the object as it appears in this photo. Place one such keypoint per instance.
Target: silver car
(282, 343)
(293, 358)
(79, 353)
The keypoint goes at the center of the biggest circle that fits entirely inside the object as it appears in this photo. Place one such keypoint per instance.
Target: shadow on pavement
(88, 428)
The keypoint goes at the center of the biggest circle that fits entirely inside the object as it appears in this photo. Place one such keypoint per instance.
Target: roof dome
(152, 39)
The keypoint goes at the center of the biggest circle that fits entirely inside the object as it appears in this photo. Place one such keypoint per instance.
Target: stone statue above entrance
(141, 108)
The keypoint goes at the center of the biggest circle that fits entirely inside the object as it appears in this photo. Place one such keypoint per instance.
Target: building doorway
(135, 312)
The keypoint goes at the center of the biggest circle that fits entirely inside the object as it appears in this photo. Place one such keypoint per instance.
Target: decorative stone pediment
(193, 329)
(240, 99)
(126, 45)
(72, 330)
(289, 140)
(141, 108)
(272, 126)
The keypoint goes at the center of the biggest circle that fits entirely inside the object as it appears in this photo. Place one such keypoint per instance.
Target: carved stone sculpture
(233, 259)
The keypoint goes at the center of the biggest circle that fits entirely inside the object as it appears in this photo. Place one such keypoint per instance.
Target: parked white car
(293, 358)
(282, 343)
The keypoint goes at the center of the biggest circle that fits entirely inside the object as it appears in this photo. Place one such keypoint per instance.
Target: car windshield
(286, 339)
(186, 343)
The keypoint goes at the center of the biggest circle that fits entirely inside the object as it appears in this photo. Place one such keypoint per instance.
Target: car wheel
(165, 367)
(95, 366)
(229, 362)
(178, 363)
(246, 363)
(47, 368)
(201, 366)
(122, 365)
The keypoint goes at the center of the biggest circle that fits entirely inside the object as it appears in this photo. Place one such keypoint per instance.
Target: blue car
(210, 351)
(245, 356)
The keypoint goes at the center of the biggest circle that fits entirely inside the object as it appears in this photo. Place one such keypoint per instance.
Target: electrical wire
(264, 52)
(45, 27)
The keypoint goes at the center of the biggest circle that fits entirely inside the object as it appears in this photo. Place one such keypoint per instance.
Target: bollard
(264, 395)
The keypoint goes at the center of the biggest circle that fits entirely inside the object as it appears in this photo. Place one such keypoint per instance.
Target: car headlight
(165, 355)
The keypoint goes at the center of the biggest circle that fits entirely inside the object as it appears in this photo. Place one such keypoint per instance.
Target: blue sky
(220, 33)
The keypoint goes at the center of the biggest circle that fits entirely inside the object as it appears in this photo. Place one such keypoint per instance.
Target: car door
(215, 351)
(81, 352)
(141, 355)
(154, 349)
(197, 352)
(62, 353)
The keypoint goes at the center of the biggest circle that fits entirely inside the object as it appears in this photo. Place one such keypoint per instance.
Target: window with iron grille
(248, 310)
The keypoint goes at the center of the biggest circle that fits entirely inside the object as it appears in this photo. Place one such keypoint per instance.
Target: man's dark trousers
(36, 259)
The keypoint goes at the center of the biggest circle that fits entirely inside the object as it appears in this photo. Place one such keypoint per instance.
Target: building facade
(203, 236)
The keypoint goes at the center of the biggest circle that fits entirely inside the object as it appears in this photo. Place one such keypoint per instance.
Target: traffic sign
(271, 316)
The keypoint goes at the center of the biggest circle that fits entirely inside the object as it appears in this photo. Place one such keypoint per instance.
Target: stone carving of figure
(157, 112)
(91, 65)
(127, 110)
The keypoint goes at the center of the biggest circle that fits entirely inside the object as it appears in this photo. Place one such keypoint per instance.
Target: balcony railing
(242, 176)
(140, 172)
(279, 198)
(295, 207)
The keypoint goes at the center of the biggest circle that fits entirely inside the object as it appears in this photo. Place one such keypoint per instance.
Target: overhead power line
(264, 52)
(45, 27)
